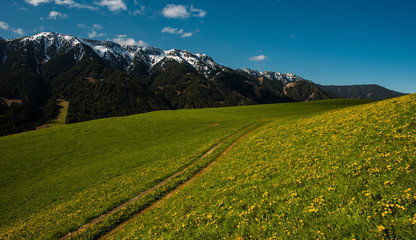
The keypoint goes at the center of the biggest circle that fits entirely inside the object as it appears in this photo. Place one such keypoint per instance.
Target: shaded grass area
(57, 179)
(345, 174)
(59, 117)
(63, 111)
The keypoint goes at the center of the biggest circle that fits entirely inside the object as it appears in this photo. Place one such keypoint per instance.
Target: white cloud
(93, 29)
(189, 34)
(182, 11)
(68, 3)
(122, 39)
(178, 31)
(19, 31)
(54, 15)
(36, 2)
(39, 29)
(65, 2)
(93, 34)
(175, 11)
(198, 12)
(141, 11)
(4, 25)
(113, 5)
(97, 26)
(258, 58)
(72, 4)
(172, 30)
(94, 26)
(81, 25)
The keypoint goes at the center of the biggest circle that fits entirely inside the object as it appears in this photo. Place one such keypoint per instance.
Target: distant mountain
(291, 85)
(103, 79)
(372, 91)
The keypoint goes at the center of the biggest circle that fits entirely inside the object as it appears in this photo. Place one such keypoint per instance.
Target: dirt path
(98, 219)
(142, 194)
(183, 185)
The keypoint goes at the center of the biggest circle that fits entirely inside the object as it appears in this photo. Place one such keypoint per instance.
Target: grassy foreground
(55, 180)
(345, 174)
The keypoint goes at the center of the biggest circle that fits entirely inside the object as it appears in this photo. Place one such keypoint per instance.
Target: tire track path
(102, 217)
(183, 185)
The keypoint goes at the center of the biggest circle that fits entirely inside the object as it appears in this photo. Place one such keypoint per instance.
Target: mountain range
(103, 79)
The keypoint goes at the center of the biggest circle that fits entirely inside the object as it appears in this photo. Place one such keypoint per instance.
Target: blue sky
(340, 42)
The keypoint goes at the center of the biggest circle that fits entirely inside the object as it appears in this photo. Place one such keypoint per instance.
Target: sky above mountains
(341, 42)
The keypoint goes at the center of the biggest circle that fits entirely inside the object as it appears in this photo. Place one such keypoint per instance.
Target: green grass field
(63, 111)
(345, 174)
(55, 180)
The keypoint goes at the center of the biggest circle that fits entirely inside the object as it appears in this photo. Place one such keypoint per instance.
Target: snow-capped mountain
(103, 79)
(283, 77)
(46, 45)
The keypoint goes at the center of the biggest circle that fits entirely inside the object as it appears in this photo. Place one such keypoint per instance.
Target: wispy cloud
(198, 12)
(54, 15)
(93, 29)
(189, 34)
(259, 58)
(68, 3)
(172, 30)
(97, 26)
(122, 39)
(81, 25)
(41, 28)
(141, 11)
(178, 31)
(113, 5)
(36, 2)
(5, 26)
(182, 11)
(94, 34)
(73, 4)
(19, 31)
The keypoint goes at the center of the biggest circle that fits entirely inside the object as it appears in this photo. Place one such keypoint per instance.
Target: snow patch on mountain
(152, 56)
(283, 77)
(48, 44)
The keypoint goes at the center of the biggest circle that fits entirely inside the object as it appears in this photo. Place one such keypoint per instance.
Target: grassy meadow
(343, 174)
(54, 180)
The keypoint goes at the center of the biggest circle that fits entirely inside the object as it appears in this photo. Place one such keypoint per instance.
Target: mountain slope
(372, 91)
(342, 174)
(290, 85)
(103, 79)
(56, 180)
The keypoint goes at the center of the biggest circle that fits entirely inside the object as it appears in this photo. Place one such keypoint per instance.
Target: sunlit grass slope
(56, 179)
(344, 174)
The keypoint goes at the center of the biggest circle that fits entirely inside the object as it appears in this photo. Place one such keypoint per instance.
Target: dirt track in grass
(165, 181)
(183, 185)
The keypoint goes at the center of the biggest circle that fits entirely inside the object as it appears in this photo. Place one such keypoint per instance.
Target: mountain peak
(121, 56)
(283, 77)
(48, 44)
